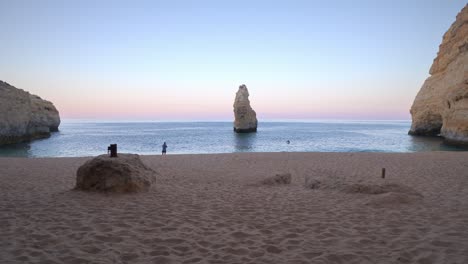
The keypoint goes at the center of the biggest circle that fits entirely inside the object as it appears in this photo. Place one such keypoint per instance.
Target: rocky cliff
(245, 117)
(24, 116)
(441, 106)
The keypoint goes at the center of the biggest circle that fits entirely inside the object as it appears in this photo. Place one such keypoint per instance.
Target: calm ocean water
(89, 139)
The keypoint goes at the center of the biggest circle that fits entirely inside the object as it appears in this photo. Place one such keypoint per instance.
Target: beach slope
(218, 209)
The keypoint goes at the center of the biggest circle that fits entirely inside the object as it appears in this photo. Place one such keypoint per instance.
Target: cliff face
(441, 106)
(245, 117)
(24, 116)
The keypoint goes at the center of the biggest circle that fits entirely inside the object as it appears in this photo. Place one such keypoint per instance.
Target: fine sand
(220, 209)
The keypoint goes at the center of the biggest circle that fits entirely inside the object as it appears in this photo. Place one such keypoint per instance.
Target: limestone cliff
(441, 106)
(245, 117)
(24, 116)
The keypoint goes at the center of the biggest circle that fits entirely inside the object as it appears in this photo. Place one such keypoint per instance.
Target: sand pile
(344, 182)
(380, 188)
(382, 192)
(393, 200)
(278, 179)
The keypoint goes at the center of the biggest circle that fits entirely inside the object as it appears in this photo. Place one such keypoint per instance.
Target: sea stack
(24, 116)
(245, 117)
(441, 106)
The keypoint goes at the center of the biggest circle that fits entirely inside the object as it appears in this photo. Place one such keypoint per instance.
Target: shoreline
(215, 208)
(83, 140)
(249, 153)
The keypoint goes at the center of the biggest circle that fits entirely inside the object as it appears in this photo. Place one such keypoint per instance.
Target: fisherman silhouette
(164, 148)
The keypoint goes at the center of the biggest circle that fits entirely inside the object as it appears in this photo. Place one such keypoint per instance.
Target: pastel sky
(184, 60)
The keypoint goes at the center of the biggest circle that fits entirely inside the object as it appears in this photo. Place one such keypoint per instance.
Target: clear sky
(184, 60)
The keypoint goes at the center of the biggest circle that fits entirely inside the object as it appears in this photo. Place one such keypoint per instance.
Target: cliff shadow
(16, 150)
(432, 143)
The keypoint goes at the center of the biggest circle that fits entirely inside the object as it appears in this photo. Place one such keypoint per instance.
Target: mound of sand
(392, 191)
(282, 178)
(380, 189)
(311, 183)
(393, 199)
(125, 173)
(381, 194)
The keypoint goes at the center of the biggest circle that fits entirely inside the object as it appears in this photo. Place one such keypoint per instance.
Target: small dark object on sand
(113, 150)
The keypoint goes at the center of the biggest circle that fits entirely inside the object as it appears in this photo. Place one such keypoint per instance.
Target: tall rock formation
(24, 116)
(245, 117)
(441, 106)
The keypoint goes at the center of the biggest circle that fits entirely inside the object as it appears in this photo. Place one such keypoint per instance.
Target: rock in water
(24, 116)
(125, 173)
(245, 117)
(441, 106)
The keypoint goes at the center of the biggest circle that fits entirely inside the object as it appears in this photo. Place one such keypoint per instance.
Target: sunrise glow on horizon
(184, 60)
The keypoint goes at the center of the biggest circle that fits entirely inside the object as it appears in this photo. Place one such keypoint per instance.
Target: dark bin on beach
(112, 149)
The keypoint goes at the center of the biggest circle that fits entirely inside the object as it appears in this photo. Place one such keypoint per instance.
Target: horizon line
(269, 120)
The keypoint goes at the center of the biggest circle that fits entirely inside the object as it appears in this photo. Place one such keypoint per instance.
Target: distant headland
(24, 116)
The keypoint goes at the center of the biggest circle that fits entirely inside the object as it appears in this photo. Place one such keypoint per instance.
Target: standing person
(164, 147)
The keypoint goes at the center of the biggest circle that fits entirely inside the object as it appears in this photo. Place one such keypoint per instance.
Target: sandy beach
(215, 209)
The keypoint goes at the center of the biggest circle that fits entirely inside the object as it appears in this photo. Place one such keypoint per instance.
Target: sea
(90, 138)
